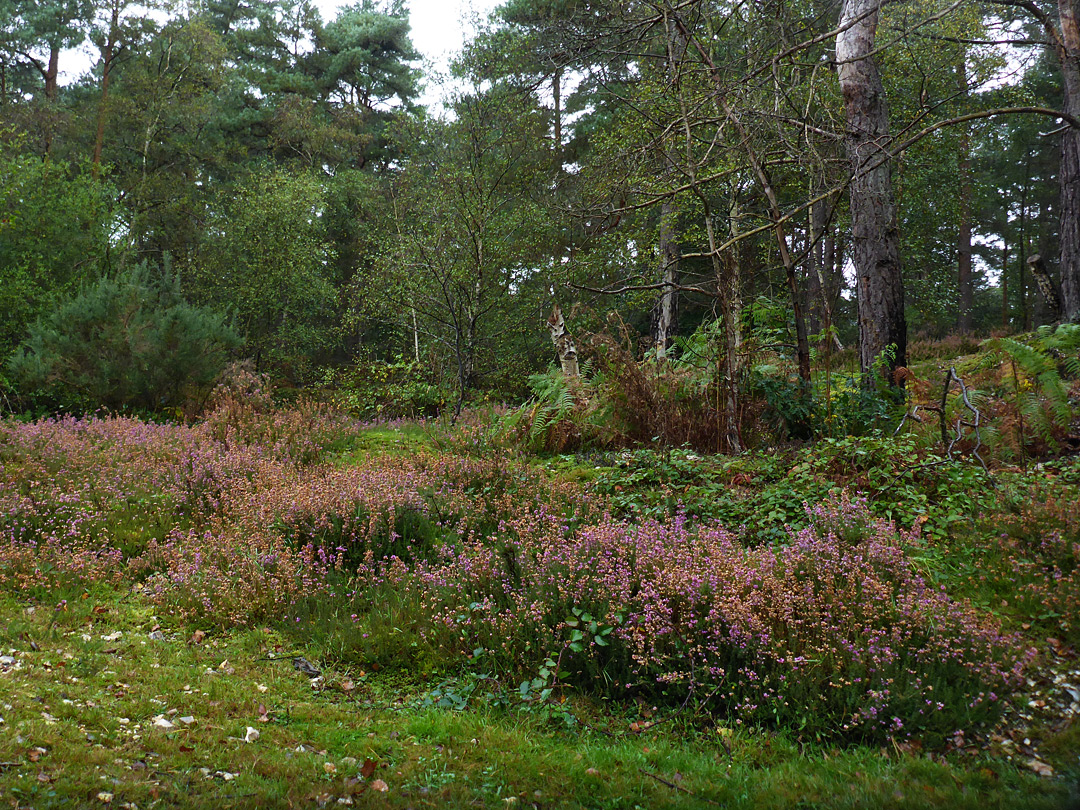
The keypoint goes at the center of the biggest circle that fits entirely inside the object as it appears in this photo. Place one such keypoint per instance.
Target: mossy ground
(81, 700)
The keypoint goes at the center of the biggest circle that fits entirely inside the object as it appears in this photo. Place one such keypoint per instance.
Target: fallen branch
(679, 788)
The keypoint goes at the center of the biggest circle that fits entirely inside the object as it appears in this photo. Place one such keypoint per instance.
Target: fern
(1053, 351)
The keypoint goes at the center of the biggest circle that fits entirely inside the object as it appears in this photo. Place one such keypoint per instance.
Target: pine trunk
(875, 235)
(1069, 177)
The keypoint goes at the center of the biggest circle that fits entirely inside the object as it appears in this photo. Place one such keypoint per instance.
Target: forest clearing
(649, 404)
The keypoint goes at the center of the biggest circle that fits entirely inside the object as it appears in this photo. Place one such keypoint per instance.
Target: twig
(679, 788)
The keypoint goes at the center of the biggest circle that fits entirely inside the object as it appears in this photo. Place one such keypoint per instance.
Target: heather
(255, 512)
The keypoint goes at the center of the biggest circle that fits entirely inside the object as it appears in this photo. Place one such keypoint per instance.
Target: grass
(79, 730)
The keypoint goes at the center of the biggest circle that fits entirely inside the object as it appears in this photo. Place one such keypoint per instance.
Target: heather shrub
(49, 564)
(227, 577)
(241, 411)
(1023, 558)
(832, 635)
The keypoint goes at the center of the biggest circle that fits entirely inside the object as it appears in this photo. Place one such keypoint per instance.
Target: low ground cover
(861, 653)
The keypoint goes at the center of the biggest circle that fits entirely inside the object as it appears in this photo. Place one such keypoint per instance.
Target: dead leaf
(105, 798)
(1040, 767)
(197, 637)
(368, 768)
(251, 735)
(380, 786)
(329, 767)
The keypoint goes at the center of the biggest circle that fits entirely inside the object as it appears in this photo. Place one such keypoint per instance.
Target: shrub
(129, 341)
(384, 391)
(835, 636)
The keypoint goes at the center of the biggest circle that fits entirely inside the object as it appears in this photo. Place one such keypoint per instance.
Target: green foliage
(545, 422)
(128, 341)
(268, 258)
(392, 390)
(54, 235)
(1041, 394)
(767, 492)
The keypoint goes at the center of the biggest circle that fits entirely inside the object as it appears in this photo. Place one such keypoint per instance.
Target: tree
(54, 236)
(266, 255)
(875, 237)
(468, 229)
(128, 341)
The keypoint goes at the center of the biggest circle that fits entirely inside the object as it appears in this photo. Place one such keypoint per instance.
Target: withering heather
(831, 633)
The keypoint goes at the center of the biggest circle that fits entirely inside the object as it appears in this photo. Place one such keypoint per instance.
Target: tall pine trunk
(963, 247)
(875, 236)
(1069, 173)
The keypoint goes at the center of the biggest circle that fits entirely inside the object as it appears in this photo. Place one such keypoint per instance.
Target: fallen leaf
(43, 777)
(368, 768)
(263, 718)
(197, 637)
(1040, 767)
(380, 786)
(105, 798)
(329, 767)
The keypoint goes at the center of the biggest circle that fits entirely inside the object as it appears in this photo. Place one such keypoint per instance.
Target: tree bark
(666, 315)
(564, 344)
(875, 234)
(1047, 288)
(1069, 173)
(52, 73)
(963, 248)
(108, 55)
(1005, 284)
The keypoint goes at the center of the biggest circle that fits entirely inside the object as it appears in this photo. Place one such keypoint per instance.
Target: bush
(374, 390)
(832, 634)
(125, 342)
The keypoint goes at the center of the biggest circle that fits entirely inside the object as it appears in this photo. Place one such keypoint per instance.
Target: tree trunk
(1069, 173)
(874, 230)
(963, 248)
(107, 57)
(1005, 284)
(666, 315)
(556, 93)
(1047, 288)
(52, 73)
(564, 344)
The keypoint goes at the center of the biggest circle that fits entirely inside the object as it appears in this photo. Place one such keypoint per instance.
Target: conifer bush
(131, 341)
